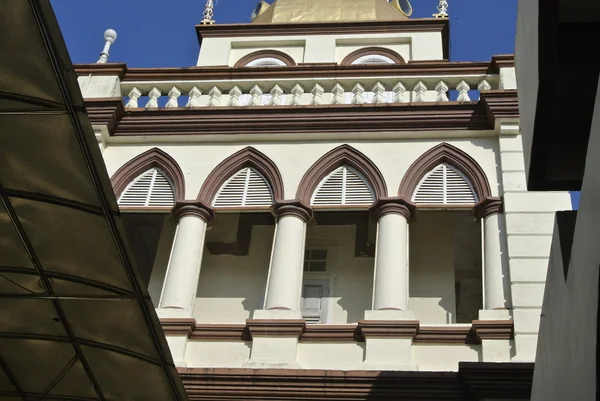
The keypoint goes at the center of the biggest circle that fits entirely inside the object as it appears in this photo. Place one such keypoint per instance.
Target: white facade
(411, 280)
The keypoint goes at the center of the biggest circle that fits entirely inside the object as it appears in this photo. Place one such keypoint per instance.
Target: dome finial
(208, 13)
(109, 38)
(442, 9)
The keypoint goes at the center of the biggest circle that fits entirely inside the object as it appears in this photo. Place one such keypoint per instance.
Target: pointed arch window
(445, 185)
(152, 188)
(247, 187)
(343, 186)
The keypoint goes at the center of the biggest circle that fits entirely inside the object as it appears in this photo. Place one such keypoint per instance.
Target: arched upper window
(266, 62)
(265, 58)
(152, 188)
(445, 185)
(373, 59)
(373, 55)
(343, 186)
(247, 187)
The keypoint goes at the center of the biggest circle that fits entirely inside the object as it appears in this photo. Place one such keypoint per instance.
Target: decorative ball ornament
(110, 35)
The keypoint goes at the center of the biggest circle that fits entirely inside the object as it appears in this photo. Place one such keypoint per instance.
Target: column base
(173, 313)
(276, 314)
(389, 314)
(389, 336)
(495, 330)
(275, 336)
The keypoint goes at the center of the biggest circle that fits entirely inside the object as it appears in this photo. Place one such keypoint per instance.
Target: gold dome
(303, 11)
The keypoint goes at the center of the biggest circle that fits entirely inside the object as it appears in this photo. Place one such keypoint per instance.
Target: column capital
(195, 208)
(294, 208)
(397, 205)
(488, 206)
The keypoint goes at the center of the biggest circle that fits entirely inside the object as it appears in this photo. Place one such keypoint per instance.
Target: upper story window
(150, 189)
(315, 260)
(445, 185)
(373, 59)
(247, 187)
(266, 58)
(266, 62)
(373, 55)
(343, 186)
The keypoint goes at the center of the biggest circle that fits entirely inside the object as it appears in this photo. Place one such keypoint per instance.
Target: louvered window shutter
(343, 186)
(313, 308)
(445, 185)
(152, 188)
(247, 187)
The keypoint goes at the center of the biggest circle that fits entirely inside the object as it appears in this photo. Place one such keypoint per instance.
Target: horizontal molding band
(472, 334)
(310, 119)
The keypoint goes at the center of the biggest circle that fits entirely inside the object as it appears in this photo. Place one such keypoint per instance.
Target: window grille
(247, 187)
(150, 189)
(343, 186)
(445, 185)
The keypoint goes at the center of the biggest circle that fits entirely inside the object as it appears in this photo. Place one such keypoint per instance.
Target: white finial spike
(109, 38)
(442, 9)
(208, 13)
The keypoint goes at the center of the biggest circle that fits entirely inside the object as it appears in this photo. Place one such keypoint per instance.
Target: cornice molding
(294, 208)
(351, 333)
(488, 206)
(398, 205)
(494, 329)
(193, 208)
(276, 327)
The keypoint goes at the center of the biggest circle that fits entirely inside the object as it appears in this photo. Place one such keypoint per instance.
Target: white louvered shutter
(314, 295)
(247, 187)
(151, 188)
(343, 186)
(445, 185)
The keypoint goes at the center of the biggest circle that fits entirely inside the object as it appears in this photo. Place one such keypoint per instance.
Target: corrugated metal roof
(76, 322)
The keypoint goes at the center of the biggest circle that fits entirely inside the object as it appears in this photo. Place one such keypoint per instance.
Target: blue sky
(160, 33)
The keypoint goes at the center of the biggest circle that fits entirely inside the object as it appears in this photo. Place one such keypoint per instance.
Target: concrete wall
(569, 329)
(441, 243)
(231, 287)
(321, 48)
(529, 225)
(334, 356)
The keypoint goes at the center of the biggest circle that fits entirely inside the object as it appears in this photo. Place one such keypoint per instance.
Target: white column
(183, 272)
(284, 288)
(390, 289)
(494, 260)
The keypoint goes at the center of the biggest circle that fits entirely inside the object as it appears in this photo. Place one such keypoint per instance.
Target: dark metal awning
(75, 321)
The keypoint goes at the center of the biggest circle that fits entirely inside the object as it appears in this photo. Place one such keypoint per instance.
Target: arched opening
(147, 188)
(445, 236)
(340, 187)
(266, 58)
(373, 55)
(241, 189)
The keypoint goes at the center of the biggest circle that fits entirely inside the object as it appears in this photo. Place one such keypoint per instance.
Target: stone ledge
(467, 334)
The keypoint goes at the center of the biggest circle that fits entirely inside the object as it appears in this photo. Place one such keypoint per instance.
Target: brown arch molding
(335, 158)
(244, 61)
(379, 51)
(145, 161)
(445, 153)
(247, 157)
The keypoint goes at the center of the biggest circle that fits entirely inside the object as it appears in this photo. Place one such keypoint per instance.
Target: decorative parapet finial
(442, 9)
(109, 38)
(208, 13)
